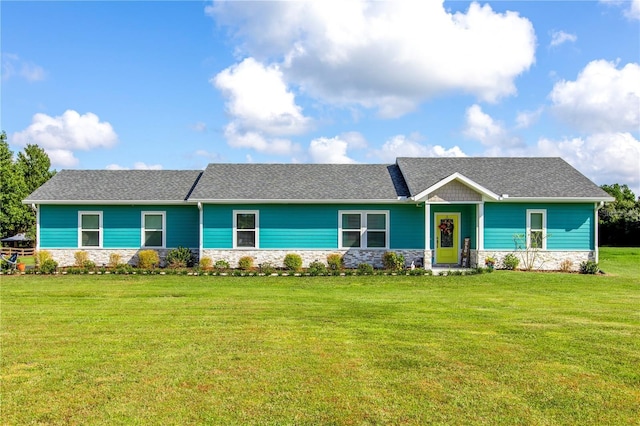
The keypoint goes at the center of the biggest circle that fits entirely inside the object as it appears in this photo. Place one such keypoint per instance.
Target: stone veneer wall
(66, 257)
(352, 258)
(545, 260)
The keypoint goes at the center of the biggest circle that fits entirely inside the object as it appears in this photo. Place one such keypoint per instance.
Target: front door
(446, 232)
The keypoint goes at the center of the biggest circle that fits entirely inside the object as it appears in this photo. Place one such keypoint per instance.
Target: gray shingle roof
(300, 182)
(517, 177)
(117, 185)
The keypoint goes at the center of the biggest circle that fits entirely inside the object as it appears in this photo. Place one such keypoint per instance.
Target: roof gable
(512, 177)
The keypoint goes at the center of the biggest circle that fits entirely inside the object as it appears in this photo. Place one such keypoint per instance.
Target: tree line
(19, 177)
(619, 221)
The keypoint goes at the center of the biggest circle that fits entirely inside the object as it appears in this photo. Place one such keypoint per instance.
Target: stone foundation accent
(352, 258)
(66, 257)
(544, 260)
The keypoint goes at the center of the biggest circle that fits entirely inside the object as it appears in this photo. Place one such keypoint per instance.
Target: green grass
(501, 348)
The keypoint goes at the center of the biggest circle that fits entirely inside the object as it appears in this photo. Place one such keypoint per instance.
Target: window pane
(246, 221)
(153, 238)
(351, 221)
(90, 221)
(376, 221)
(536, 239)
(90, 238)
(246, 239)
(536, 220)
(153, 221)
(376, 239)
(350, 238)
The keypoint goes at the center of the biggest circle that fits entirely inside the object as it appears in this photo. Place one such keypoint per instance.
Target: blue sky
(176, 85)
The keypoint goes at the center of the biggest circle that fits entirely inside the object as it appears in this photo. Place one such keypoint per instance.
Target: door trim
(436, 233)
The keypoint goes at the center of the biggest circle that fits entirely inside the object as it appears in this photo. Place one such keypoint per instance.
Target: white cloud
(492, 134)
(602, 99)
(255, 140)
(632, 12)
(330, 150)
(136, 166)
(526, 119)
(62, 135)
(560, 37)
(401, 146)
(14, 66)
(258, 99)
(604, 157)
(385, 55)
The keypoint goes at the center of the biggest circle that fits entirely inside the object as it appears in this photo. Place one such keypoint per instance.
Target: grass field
(501, 348)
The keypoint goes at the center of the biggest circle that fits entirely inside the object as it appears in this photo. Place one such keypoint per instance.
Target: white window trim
(143, 229)
(363, 229)
(100, 230)
(235, 229)
(544, 227)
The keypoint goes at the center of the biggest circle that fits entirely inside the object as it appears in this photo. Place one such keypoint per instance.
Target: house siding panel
(569, 226)
(286, 226)
(121, 225)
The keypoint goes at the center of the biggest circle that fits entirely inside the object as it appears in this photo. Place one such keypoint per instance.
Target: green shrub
(393, 261)
(41, 256)
(511, 261)
(267, 268)
(365, 269)
(293, 262)
(123, 268)
(589, 267)
(48, 266)
(245, 263)
(335, 261)
(221, 265)
(148, 259)
(205, 263)
(180, 257)
(317, 268)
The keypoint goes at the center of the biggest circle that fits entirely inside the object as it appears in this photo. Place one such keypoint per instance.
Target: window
(153, 229)
(90, 229)
(245, 229)
(363, 229)
(536, 229)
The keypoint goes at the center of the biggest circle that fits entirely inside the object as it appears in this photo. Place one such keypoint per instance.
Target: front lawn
(501, 348)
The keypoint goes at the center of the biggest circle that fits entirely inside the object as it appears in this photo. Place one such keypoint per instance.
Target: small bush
(221, 265)
(205, 263)
(511, 262)
(42, 256)
(317, 268)
(566, 265)
(393, 261)
(81, 258)
(114, 260)
(589, 267)
(48, 266)
(293, 262)
(180, 257)
(267, 268)
(245, 263)
(335, 261)
(148, 259)
(365, 269)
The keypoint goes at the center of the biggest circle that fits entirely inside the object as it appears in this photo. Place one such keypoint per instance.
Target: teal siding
(569, 226)
(468, 219)
(121, 225)
(308, 226)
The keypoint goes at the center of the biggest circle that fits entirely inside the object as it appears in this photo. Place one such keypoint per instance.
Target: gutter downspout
(200, 231)
(596, 220)
(37, 210)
